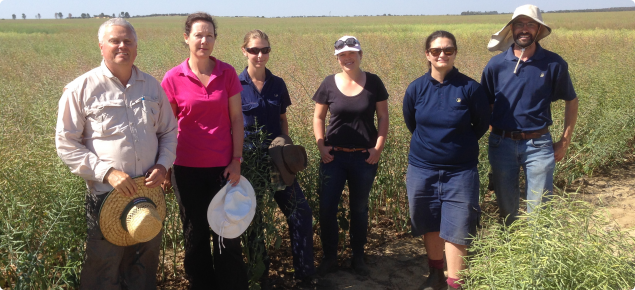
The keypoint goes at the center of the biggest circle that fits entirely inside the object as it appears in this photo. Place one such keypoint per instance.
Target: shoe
(328, 265)
(360, 266)
(436, 280)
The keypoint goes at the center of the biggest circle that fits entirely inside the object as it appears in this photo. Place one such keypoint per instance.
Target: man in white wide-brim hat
(521, 84)
(115, 122)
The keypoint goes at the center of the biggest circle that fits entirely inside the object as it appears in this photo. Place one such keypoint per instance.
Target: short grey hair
(115, 22)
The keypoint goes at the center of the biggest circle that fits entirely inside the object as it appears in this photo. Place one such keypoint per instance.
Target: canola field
(42, 225)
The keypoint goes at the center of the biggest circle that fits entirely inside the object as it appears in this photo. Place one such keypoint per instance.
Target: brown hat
(128, 220)
(289, 159)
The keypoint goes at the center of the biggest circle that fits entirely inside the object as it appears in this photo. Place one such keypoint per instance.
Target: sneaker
(360, 266)
(436, 280)
(328, 265)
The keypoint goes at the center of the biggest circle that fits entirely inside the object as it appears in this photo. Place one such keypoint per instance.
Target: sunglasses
(257, 50)
(437, 51)
(350, 42)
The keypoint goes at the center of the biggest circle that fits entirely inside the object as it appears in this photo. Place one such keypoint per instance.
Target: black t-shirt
(352, 122)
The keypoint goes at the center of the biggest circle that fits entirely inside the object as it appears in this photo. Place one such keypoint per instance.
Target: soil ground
(398, 261)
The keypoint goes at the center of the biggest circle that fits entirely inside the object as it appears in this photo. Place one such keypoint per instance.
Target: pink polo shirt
(204, 138)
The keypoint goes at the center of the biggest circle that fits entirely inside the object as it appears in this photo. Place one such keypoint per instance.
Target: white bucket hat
(504, 38)
(232, 210)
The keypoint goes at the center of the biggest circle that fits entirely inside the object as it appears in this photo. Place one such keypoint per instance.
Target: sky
(273, 8)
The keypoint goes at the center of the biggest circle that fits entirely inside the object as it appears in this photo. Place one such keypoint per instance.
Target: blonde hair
(255, 34)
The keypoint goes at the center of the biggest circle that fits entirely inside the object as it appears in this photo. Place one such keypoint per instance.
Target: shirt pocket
(147, 109)
(105, 118)
(274, 107)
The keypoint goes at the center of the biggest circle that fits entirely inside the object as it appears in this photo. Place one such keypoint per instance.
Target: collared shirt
(446, 120)
(266, 106)
(522, 101)
(205, 138)
(104, 124)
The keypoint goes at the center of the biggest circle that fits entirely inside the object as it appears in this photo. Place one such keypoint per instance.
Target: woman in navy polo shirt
(447, 113)
(350, 150)
(265, 100)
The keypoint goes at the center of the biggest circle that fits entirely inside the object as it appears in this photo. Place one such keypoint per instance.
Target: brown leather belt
(348, 150)
(520, 135)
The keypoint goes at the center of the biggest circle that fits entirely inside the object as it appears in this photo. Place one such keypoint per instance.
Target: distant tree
(102, 15)
(39, 16)
(126, 15)
(113, 15)
(121, 14)
(83, 15)
(60, 15)
(23, 16)
(87, 15)
(13, 16)
(70, 15)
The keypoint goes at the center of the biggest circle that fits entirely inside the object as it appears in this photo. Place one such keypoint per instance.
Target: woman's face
(350, 60)
(442, 61)
(256, 60)
(201, 39)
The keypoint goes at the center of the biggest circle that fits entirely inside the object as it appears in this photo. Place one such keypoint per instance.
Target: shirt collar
(447, 79)
(186, 71)
(136, 75)
(538, 54)
(244, 76)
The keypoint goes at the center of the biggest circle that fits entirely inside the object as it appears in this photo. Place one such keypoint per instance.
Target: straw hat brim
(216, 212)
(115, 203)
(504, 38)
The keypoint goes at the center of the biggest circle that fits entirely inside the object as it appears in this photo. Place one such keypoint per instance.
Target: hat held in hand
(232, 209)
(289, 159)
(129, 220)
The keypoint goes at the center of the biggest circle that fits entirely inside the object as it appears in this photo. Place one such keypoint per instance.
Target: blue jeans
(535, 156)
(360, 175)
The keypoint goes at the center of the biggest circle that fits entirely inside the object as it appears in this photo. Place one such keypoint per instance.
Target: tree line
(60, 15)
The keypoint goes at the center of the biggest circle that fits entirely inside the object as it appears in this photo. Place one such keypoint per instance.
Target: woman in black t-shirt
(350, 149)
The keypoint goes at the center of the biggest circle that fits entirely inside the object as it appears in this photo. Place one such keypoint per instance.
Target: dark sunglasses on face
(257, 50)
(350, 42)
(437, 51)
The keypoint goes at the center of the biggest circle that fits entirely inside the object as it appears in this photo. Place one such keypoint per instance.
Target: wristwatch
(240, 159)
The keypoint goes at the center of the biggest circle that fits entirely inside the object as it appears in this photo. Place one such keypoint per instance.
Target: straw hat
(129, 220)
(289, 159)
(232, 209)
(504, 38)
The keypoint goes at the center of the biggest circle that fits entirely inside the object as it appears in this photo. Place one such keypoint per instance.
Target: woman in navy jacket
(265, 100)
(447, 113)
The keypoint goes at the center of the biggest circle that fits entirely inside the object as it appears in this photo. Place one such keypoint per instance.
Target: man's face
(118, 47)
(524, 30)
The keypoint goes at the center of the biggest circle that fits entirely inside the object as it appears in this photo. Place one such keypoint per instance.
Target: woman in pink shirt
(205, 96)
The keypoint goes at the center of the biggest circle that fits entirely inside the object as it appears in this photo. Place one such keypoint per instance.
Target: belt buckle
(513, 135)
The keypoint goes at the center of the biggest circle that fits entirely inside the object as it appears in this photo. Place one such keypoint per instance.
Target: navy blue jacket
(265, 106)
(446, 120)
(522, 101)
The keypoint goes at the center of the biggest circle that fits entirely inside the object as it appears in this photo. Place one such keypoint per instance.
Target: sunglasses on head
(437, 51)
(257, 50)
(350, 42)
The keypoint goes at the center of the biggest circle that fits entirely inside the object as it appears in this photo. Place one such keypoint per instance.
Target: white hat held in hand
(232, 209)
(504, 38)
